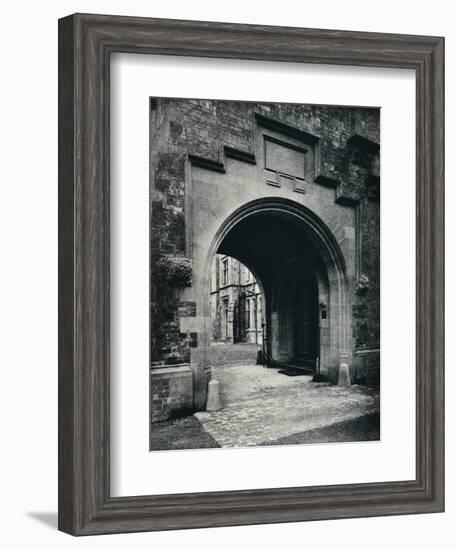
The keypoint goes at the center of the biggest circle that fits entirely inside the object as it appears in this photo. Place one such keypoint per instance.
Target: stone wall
(171, 392)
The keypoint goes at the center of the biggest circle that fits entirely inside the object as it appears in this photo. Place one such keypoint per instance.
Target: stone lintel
(327, 181)
(237, 154)
(344, 199)
(364, 144)
(207, 164)
(171, 371)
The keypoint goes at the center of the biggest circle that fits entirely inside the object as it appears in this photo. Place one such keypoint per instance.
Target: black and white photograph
(226, 275)
(264, 274)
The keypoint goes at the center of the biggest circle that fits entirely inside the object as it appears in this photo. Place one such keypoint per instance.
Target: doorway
(297, 308)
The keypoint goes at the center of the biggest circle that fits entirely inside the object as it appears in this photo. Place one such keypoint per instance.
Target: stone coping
(165, 370)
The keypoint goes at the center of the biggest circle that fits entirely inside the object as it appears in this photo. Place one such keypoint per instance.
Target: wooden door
(305, 322)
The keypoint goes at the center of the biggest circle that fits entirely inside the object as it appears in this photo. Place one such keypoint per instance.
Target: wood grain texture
(66, 275)
(85, 45)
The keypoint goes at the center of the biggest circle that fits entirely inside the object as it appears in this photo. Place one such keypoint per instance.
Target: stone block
(171, 390)
(214, 402)
(344, 375)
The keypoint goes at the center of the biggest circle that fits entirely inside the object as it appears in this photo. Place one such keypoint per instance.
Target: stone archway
(273, 229)
(295, 174)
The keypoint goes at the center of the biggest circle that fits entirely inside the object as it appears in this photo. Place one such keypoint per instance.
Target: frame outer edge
(84, 503)
(66, 310)
(438, 274)
(430, 276)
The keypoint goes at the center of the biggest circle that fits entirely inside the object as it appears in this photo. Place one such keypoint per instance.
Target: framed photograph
(251, 281)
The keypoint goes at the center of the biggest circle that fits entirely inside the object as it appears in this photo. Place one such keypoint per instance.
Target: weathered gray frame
(85, 44)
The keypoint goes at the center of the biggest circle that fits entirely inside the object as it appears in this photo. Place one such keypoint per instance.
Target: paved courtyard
(263, 407)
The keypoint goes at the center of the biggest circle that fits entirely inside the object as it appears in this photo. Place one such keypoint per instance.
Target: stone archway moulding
(325, 243)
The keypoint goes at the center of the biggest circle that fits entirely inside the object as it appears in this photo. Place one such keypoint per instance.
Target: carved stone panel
(284, 158)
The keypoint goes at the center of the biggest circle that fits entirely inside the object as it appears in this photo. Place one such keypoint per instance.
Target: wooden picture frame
(85, 45)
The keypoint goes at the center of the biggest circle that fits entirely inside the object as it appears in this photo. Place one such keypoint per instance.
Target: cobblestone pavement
(261, 405)
(180, 433)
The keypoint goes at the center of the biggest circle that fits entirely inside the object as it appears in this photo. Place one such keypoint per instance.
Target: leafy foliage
(175, 270)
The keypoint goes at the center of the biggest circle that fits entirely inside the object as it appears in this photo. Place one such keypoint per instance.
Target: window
(225, 317)
(247, 313)
(225, 272)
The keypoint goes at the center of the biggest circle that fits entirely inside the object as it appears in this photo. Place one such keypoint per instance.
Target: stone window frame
(225, 271)
(248, 314)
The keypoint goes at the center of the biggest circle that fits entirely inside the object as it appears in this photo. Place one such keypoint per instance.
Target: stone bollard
(214, 403)
(344, 375)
